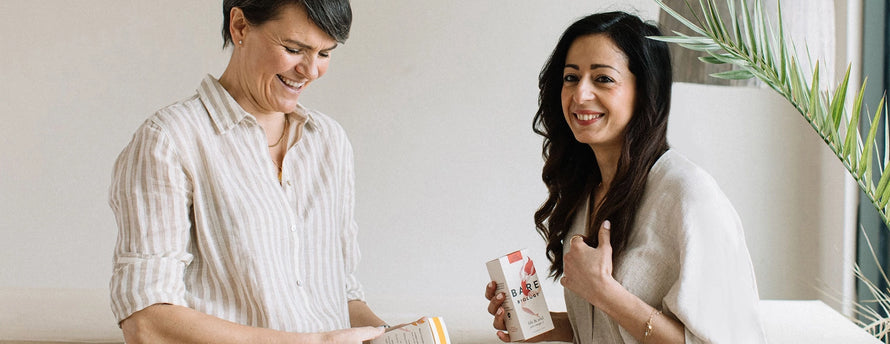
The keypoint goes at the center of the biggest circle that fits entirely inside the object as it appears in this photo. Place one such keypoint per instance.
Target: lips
(587, 117)
(291, 83)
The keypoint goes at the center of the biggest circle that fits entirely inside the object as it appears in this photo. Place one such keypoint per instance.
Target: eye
(325, 54)
(292, 51)
(569, 78)
(604, 79)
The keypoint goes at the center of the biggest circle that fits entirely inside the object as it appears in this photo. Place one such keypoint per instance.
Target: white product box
(424, 331)
(526, 312)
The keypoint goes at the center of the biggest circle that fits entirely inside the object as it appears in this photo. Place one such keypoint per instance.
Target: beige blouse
(204, 222)
(685, 256)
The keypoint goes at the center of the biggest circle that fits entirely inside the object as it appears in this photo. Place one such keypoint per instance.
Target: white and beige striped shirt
(205, 223)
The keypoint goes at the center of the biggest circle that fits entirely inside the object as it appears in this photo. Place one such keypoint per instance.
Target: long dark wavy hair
(570, 168)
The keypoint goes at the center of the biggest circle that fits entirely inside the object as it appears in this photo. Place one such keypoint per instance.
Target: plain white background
(438, 100)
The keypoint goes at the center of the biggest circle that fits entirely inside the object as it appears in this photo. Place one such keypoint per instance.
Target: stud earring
(240, 42)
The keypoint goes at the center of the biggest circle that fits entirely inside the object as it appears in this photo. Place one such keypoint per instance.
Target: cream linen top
(204, 221)
(685, 256)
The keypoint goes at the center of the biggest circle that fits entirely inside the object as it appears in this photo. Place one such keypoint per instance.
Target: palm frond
(876, 324)
(760, 51)
(754, 48)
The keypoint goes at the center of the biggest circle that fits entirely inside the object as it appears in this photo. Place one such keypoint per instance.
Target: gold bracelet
(648, 330)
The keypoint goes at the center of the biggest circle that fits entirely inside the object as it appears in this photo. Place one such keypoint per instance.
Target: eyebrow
(592, 66)
(307, 46)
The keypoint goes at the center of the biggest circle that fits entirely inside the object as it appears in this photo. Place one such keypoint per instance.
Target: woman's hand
(351, 335)
(163, 323)
(587, 271)
(495, 307)
(562, 329)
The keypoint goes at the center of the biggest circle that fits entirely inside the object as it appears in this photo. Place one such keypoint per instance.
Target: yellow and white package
(424, 331)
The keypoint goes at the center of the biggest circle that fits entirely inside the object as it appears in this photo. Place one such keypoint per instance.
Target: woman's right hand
(163, 323)
(562, 328)
(495, 307)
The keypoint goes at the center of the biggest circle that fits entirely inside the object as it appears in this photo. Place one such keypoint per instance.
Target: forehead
(596, 49)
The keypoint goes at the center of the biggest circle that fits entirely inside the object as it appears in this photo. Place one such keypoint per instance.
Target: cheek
(566, 100)
(631, 106)
(323, 68)
(271, 57)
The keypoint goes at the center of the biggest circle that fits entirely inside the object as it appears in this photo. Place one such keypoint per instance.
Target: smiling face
(274, 62)
(598, 92)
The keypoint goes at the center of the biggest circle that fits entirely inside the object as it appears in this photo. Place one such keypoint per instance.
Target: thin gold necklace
(283, 131)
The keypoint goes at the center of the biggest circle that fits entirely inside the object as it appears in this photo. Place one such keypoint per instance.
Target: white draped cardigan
(686, 256)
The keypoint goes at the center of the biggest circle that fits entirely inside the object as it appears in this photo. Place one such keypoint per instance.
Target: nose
(308, 67)
(584, 92)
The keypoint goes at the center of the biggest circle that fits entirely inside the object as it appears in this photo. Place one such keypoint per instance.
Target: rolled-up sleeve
(150, 196)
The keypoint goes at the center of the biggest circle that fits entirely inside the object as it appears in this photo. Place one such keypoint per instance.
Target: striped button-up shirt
(204, 221)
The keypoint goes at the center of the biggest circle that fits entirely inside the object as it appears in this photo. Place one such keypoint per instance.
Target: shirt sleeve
(150, 197)
(351, 252)
(715, 296)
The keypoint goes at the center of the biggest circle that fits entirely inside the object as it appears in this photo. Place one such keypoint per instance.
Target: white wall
(437, 98)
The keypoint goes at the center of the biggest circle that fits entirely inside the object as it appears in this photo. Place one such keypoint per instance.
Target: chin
(593, 141)
(287, 107)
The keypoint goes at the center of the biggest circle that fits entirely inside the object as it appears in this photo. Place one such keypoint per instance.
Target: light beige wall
(78, 78)
(437, 98)
(785, 183)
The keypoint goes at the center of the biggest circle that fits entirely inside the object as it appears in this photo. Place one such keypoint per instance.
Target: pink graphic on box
(525, 274)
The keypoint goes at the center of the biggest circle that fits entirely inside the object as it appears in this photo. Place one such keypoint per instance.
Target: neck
(232, 81)
(607, 160)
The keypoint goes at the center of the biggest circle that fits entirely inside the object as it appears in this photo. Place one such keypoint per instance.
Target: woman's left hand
(587, 271)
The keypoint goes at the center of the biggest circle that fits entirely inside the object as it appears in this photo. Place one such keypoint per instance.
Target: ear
(238, 25)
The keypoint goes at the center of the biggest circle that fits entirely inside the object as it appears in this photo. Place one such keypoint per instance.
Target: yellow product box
(526, 312)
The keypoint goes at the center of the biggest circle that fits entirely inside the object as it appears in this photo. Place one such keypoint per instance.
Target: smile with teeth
(291, 83)
(587, 117)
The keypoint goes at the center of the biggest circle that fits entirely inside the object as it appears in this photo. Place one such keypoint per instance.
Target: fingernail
(607, 224)
(491, 284)
(500, 296)
(500, 310)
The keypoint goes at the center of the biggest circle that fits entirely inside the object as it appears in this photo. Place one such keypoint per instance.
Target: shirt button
(299, 283)
(293, 228)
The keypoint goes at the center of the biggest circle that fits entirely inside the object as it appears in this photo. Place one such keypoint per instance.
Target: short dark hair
(334, 17)
(570, 167)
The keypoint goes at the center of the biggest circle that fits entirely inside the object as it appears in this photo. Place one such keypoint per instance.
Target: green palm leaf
(757, 51)
(738, 74)
(853, 133)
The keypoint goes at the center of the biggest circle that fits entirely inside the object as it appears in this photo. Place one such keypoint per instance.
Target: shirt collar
(225, 112)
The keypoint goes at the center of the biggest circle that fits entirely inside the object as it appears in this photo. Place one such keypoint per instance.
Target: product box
(526, 312)
(424, 331)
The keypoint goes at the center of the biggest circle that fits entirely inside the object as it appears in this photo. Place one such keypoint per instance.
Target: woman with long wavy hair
(646, 245)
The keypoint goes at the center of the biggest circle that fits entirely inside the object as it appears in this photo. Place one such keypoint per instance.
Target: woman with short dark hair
(647, 246)
(235, 206)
